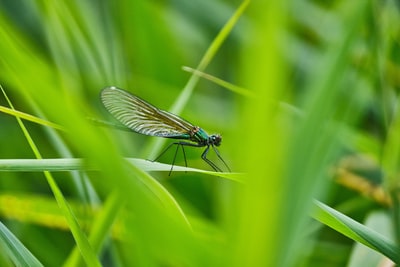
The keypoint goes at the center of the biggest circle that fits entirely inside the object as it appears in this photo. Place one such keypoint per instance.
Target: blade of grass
(14, 249)
(29, 117)
(390, 165)
(145, 229)
(187, 91)
(361, 255)
(83, 244)
(257, 228)
(243, 91)
(315, 144)
(355, 231)
(37, 209)
(101, 227)
(220, 82)
(39, 165)
(69, 164)
(163, 195)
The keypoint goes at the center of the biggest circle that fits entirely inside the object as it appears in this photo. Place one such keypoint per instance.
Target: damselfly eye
(216, 139)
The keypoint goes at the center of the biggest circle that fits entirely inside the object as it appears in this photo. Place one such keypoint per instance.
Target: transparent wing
(142, 117)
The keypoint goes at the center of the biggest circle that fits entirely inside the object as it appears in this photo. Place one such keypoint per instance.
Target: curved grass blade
(83, 244)
(29, 117)
(102, 225)
(208, 56)
(243, 91)
(187, 91)
(14, 249)
(356, 231)
(71, 164)
(234, 88)
(361, 255)
(168, 201)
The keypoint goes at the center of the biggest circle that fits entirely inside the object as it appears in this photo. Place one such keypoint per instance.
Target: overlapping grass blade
(29, 117)
(70, 164)
(101, 153)
(86, 251)
(101, 227)
(187, 91)
(356, 231)
(14, 249)
(220, 82)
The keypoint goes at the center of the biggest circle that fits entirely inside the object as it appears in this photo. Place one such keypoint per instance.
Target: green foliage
(303, 92)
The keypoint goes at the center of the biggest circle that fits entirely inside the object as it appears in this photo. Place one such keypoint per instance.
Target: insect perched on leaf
(142, 117)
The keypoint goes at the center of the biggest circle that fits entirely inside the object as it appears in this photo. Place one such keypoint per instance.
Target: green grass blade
(182, 99)
(83, 244)
(39, 165)
(29, 117)
(101, 227)
(162, 194)
(70, 164)
(234, 88)
(18, 253)
(187, 91)
(361, 255)
(390, 165)
(243, 91)
(355, 231)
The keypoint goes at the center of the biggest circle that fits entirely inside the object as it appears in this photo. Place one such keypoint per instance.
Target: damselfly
(142, 117)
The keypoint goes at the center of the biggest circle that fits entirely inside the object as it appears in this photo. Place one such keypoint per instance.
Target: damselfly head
(215, 139)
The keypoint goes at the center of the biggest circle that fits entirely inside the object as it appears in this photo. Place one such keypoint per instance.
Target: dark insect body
(142, 117)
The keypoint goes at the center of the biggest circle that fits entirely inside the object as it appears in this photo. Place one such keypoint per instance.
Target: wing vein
(142, 117)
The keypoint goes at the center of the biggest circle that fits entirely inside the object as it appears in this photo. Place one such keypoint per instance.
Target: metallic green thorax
(200, 137)
(196, 135)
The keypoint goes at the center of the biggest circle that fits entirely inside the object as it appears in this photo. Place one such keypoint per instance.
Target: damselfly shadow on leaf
(144, 118)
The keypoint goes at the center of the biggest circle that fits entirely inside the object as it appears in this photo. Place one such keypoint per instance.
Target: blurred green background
(315, 117)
